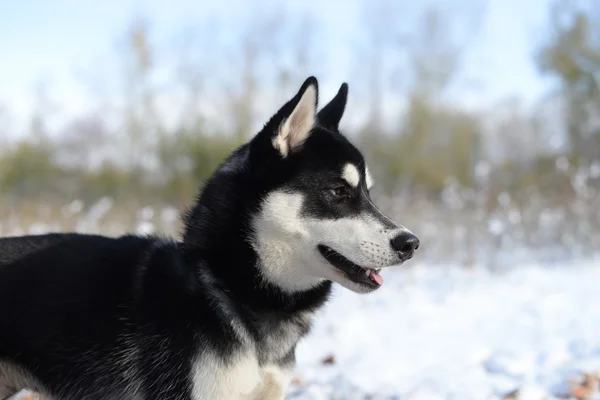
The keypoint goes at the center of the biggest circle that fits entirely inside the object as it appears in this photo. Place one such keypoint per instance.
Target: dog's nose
(405, 245)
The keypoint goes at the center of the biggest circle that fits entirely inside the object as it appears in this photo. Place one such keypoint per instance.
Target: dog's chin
(355, 287)
(349, 274)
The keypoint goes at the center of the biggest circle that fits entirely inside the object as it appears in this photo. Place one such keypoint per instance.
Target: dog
(217, 314)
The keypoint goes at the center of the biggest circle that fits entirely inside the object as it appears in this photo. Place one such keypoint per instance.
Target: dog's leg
(6, 393)
(274, 384)
(8, 379)
(13, 382)
(25, 395)
(271, 389)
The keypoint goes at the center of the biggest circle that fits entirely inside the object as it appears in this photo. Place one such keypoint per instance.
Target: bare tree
(257, 46)
(5, 125)
(301, 53)
(429, 56)
(141, 120)
(572, 54)
(383, 21)
(436, 48)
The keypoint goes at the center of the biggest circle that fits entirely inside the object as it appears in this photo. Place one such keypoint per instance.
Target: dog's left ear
(331, 115)
(298, 125)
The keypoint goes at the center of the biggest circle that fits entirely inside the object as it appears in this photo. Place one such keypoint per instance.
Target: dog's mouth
(354, 272)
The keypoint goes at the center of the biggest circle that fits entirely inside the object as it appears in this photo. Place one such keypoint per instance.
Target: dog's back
(50, 285)
(14, 248)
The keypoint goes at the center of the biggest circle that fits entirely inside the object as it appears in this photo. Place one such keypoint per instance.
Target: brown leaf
(329, 360)
(587, 387)
(511, 395)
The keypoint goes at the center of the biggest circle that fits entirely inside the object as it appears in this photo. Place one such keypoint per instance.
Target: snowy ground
(450, 333)
(433, 333)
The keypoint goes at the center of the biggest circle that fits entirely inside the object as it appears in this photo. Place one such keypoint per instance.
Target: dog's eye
(340, 191)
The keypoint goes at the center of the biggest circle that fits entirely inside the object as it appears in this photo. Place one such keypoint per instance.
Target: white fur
(297, 127)
(213, 379)
(13, 379)
(242, 379)
(286, 243)
(126, 358)
(275, 381)
(368, 178)
(350, 174)
(278, 231)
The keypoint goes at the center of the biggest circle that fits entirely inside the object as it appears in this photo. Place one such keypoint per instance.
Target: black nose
(405, 245)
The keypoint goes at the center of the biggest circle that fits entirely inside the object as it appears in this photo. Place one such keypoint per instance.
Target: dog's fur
(218, 314)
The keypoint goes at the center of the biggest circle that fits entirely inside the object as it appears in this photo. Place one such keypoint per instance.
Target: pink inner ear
(298, 126)
(301, 124)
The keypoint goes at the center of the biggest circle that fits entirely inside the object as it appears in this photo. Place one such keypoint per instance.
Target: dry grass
(461, 230)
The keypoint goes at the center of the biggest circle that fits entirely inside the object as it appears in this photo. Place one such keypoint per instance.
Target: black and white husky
(218, 314)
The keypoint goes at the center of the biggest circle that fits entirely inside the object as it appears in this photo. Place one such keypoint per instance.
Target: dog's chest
(261, 368)
(240, 378)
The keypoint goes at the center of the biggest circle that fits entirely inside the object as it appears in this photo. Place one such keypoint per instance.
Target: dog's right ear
(331, 115)
(298, 120)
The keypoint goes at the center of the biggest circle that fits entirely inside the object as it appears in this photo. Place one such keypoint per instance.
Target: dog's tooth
(367, 272)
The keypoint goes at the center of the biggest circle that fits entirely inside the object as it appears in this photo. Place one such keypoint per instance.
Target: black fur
(71, 304)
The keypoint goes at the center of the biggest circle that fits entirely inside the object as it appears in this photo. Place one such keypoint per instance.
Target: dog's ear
(330, 116)
(297, 126)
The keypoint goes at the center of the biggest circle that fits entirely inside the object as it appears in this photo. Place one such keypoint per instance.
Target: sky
(53, 42)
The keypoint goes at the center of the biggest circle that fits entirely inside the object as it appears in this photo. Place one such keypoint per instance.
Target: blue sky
(53, 40)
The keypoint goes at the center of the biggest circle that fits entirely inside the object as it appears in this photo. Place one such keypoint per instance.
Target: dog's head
(315, 219)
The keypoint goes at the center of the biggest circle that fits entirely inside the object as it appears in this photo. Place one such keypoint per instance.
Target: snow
(443, 332)
(447, 332)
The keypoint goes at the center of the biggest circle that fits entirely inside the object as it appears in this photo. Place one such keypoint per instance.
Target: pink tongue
(375, 277)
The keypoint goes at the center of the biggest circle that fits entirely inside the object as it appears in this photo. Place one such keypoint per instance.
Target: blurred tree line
(132, 148)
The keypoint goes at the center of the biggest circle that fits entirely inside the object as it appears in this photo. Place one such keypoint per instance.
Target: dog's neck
(216, 237)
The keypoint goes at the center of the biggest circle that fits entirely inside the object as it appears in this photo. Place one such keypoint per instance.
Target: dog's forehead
(336, 146)
(333, 152)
